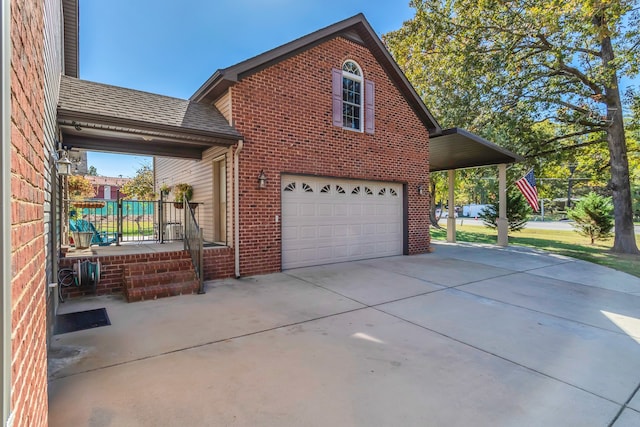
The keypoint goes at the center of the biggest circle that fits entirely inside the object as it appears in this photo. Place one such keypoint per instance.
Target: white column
(451, 219)
(503, 223)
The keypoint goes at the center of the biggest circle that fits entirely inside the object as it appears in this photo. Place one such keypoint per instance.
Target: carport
(457, 148)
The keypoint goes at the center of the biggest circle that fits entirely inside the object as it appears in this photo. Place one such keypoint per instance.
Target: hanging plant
(182, 192)
(165, 189)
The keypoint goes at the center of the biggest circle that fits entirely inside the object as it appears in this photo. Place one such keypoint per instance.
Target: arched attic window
(353, 98)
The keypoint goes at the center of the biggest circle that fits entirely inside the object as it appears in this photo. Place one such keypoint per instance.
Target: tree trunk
(625, 239)
(432, 206)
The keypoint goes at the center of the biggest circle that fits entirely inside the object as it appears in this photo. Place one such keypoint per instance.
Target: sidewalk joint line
(495, 355)
(624, 406)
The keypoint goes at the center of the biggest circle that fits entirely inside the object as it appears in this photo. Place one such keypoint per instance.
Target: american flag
(527, 185)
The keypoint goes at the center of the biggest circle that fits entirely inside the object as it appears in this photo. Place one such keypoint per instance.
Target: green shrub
(517, 212)
(593, 217)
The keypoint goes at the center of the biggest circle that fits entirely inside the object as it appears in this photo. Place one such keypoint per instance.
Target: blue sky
(173, 47)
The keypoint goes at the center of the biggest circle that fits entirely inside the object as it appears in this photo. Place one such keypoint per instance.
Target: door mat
(80, 320)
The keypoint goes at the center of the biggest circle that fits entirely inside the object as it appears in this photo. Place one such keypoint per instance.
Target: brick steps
(159, 279)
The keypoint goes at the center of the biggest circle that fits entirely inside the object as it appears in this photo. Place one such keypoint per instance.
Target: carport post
(503, 223)
(451, 217)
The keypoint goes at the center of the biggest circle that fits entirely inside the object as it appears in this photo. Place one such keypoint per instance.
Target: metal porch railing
(193, 242)
(129, 221)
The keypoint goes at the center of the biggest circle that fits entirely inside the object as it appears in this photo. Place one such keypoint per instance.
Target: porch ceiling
(100, 117)
(458, 149)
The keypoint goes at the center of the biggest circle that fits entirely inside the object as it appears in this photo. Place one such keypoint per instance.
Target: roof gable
(356, 29)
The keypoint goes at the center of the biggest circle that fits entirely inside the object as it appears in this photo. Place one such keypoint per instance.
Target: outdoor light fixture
(420, 190)
(262, 180)
(63, 163)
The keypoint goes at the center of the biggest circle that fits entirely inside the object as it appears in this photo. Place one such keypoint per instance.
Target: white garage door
(327, 220)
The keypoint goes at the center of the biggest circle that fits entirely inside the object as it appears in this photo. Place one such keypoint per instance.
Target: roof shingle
(128, 108)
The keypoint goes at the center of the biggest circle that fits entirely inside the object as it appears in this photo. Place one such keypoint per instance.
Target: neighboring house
(315, 152)
(107, 187)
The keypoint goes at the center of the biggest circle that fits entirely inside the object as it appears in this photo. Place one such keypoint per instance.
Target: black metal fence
(193, 243)
(128, 221)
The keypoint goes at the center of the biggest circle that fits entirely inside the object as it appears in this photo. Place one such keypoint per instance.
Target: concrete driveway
(466, 336)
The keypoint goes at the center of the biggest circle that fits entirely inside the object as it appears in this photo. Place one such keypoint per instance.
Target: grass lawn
(567, 243)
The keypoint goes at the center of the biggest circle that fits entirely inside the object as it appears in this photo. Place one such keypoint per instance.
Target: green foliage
(92, 171)
(182, 192)
(517, 212)
(538, 77)
(80, 187)
(593, 217)
(165, 189)
(141, 186)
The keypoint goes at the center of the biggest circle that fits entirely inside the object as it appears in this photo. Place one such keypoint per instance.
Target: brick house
(315, 152)
(107, 187)
(342, 172)
(343, 141)
(318, 151)
(32, 63)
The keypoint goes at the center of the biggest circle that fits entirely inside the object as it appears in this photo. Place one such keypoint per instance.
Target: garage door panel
(289, 233)
(325, 209)
(355, 210)
(355, 230)
(370, 229)
(328, 220)
(340, 210)
(369, 210)
(307, 209)
(308, 232)
(340, 252)
(325, 231)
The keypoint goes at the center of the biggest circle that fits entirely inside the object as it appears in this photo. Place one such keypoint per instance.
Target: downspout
(236, 206)
(5, 213)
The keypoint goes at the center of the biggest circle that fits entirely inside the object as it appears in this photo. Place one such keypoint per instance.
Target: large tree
(532, 62)
(140, 186)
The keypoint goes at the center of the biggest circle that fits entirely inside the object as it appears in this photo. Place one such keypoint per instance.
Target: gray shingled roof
(115, 108)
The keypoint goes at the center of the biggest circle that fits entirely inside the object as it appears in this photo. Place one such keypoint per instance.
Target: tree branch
(569, 147)
(571, 70)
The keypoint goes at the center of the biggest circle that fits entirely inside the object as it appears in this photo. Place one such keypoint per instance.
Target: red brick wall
(218, 264)
(28, 287)
(285, 115)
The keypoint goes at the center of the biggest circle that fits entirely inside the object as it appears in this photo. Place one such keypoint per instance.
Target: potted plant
(182, 192)
(165, 189)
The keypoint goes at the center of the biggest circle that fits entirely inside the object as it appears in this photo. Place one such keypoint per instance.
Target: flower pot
(82, 240)
(91, 205)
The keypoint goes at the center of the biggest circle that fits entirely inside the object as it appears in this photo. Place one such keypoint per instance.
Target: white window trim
(360, 79)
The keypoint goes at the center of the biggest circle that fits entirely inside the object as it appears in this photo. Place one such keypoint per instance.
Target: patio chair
(98, 238)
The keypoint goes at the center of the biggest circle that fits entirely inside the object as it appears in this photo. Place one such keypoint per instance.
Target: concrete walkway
(466, 336)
